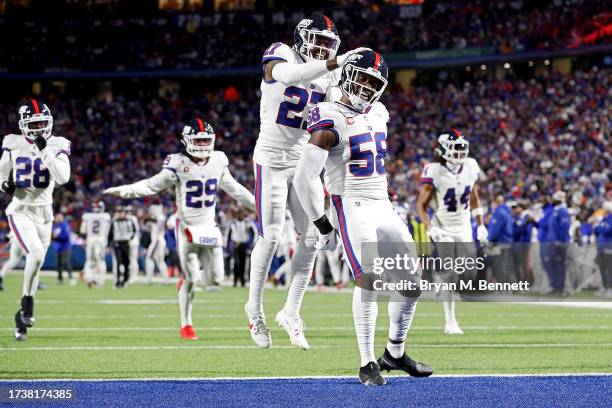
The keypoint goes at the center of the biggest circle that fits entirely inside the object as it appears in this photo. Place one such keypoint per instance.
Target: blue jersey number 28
(290, 113)
(30, 173)
(196, 188)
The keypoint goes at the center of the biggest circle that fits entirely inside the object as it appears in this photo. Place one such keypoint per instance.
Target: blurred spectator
(557, 239)
(242, 232)
(63, 247)
(603, 231)
(501, 236)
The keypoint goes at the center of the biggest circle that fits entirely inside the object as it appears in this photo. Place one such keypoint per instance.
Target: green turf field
(133, 333)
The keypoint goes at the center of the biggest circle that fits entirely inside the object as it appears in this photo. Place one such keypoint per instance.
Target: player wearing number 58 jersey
(195, 174)
(32, 164)
(349, 139)
(452, 182)
(294, 79)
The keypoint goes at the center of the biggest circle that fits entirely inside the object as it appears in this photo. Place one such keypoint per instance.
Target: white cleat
(259, 329)
(452, 328)
(294, 328)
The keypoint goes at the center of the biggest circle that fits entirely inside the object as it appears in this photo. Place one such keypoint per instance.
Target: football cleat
(188, 333)
(21, 330)
(370, 375)
(259, 329)
(452, 328)
(404, 363)
(294, 328)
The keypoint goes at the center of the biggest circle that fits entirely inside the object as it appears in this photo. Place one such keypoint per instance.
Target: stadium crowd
(78, 39)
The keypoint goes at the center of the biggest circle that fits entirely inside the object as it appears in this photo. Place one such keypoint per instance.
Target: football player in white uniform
(134, 242)
(32, 164)
(156, 251)
(451, 181)
(95, 226)
(196, 174)
(294, 79)
(348, 139)
(15, 255)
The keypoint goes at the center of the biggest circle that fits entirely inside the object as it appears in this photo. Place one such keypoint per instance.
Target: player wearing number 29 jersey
(32, 164)
(195, 174)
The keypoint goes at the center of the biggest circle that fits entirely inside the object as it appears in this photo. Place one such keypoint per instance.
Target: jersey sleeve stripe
(427, 180)
(272, 58)
(66, 152)
(328, 123)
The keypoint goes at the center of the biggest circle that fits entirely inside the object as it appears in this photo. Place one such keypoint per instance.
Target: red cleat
(188, 333)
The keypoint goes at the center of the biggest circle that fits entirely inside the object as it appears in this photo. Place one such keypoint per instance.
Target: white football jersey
(284, 109)
(452, 192)
(356, 164)
(34, 182)
(157, 227)
(95, 226)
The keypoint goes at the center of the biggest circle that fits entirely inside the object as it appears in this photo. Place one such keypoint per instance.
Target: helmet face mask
(35, 120)
(198, 138)
(364, 79)
(316, 38)
(453, 147)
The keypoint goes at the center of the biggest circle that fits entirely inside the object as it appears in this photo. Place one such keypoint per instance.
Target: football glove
(116, 191)
(435, 234)
(8, 186)
(482, 234)
(342, 59)
(327, 242)
(40, 142)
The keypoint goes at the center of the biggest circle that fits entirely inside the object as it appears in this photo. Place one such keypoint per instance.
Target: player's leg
(320, 270)
(271, 200)
(159, 257)
(186, 251)
(99, 263)
(356, 226)
(302, 265)
(394, 239)
(15, 254)
(335, 269)
(90, 264)
(133, 257)
(149, 261)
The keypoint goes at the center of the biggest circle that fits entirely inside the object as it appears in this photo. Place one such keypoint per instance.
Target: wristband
(477, 211)
(323, 225)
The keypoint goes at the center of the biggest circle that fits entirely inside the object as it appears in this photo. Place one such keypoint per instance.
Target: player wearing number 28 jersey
(196, 173)
(32, 164)
(294, 79)
(348, 139)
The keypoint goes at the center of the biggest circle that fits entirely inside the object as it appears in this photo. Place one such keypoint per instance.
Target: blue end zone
(523, 391)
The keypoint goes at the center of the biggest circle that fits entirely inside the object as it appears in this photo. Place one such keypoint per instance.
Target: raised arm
(153, 185)
(238, 192)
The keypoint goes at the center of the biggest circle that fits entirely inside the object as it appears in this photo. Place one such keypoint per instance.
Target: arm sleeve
(5, 165)
(307, 180)
(150, 186)
(58, 163)
(427, 176)
(239, 192)
(289, 74)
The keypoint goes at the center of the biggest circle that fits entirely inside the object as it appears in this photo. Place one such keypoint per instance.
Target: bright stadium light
(530, 63)
(546, 62)
(483, 67)
(507, 65)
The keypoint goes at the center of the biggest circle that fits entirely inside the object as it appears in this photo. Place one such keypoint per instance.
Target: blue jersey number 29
(290, 113)
(30, 173)
(196, 188)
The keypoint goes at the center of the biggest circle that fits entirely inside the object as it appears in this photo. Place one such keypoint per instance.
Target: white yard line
(334, 346)
(306, 377)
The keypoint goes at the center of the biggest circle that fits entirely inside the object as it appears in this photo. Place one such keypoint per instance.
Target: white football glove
(327, 242)
(435, 234)
(342, 59)
(116, 191)
(482, 234)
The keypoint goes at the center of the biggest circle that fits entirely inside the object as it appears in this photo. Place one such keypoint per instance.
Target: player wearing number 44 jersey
(294, 79)
(32, 164)
(452, 182)
(195, 174)
(348, 139)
